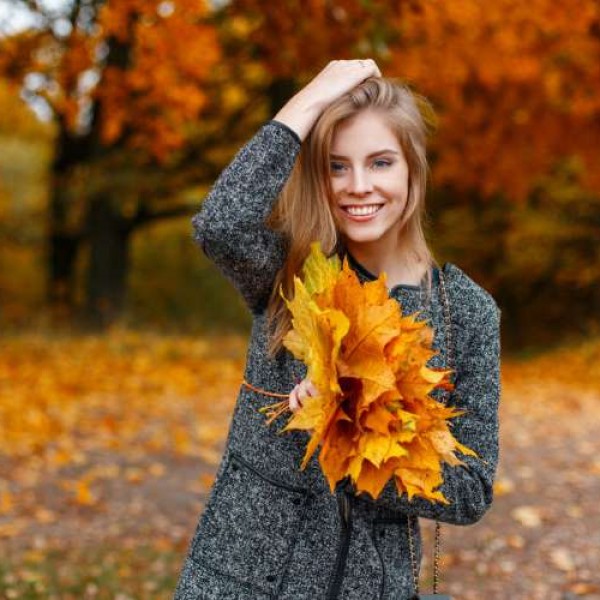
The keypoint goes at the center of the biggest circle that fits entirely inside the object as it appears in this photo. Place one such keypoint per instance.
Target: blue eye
(336, 167)
(382, 163)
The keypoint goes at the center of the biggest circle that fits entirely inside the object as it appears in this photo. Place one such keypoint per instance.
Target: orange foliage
(116, 407)
(576, 363)
(517, 85)
(149, 86)
(297, 37)
(159, 92)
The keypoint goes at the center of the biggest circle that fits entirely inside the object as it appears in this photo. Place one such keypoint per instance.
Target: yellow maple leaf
(315, 338)
(373, 479)
(319, 272)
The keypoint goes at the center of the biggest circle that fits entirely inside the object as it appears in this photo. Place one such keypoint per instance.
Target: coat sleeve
(230, 226)
(468, 488)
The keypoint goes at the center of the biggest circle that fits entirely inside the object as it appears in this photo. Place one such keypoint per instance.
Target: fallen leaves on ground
(155, 401)
(90, 410)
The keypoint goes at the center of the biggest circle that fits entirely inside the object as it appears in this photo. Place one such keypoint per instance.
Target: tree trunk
(60, 284)
(108, 233)
(63, 245)
(63, 236)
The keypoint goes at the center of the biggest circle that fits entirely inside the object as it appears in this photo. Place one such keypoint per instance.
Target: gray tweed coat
(270, 530)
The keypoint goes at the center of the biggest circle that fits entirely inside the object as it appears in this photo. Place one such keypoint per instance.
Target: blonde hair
(302, 215)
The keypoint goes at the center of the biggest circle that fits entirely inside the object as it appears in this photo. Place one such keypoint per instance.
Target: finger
(369, 63)
(312, 390)
(307, 389)
(375, 67)
(294, 400)
(302, 389)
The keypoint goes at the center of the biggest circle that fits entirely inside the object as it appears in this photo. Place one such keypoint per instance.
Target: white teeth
(361, 211)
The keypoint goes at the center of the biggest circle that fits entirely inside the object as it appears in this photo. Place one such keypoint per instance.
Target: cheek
(398, 189)
(336, 185)
(402, 193)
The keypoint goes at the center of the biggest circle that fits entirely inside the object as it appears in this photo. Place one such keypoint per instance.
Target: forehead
(363, 134)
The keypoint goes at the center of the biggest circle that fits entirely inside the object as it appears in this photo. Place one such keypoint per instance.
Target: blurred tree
(516, 84)
(515, 87)
(122, 81)
(125, 82)
(297, 38)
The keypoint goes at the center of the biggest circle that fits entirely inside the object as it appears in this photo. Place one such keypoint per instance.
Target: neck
(401, 264)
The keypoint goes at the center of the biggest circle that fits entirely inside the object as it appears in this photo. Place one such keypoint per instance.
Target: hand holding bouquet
(373, 414)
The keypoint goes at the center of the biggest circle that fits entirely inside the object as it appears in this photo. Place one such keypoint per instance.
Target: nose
(360, 182)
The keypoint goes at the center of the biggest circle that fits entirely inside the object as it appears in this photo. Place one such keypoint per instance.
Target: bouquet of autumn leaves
(373, 415)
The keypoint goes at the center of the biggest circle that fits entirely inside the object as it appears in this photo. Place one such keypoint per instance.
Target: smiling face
(369, 181)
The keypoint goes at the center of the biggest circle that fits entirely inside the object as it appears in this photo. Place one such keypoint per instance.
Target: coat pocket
(250, 525)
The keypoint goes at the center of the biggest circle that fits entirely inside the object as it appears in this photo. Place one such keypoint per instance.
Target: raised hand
(337, 78)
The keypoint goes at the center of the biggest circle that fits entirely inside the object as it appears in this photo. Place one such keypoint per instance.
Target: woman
(344, 163)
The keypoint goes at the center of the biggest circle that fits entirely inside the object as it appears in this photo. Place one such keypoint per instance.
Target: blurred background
(122, 347)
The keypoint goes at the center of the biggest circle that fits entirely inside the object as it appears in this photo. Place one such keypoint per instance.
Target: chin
(362, 237)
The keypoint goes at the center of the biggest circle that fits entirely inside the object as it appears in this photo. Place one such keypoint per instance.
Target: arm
(468, 488)
(230, 224)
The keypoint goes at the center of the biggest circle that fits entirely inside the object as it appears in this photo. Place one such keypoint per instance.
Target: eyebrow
(386, 151)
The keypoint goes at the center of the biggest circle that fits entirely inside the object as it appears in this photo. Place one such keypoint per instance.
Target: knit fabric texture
(269, 530)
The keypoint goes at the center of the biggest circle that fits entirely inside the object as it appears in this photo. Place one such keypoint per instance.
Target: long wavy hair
(303, 211)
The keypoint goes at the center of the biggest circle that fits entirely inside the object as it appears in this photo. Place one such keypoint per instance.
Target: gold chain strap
(411, 519)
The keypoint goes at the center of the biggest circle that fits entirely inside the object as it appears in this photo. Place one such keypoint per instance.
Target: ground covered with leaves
(110, 444)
